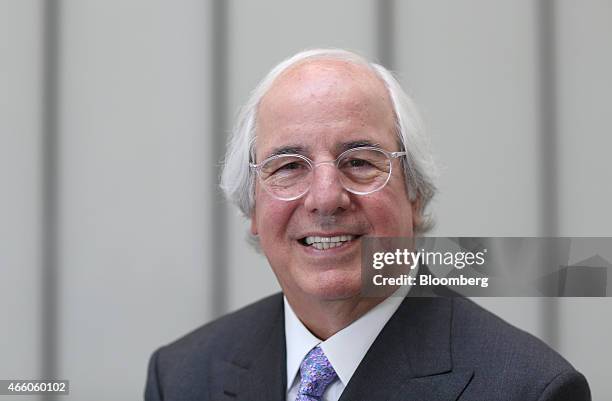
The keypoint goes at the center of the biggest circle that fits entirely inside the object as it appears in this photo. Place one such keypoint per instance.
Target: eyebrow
(343, 147)
(340, 148)
(287, 150)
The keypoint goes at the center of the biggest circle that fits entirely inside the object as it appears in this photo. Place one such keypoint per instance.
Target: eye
(291, 166)
(355, 163)
(285, 166)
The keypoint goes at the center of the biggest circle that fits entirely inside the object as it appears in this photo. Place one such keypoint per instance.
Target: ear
(254, 223)
(417, 217)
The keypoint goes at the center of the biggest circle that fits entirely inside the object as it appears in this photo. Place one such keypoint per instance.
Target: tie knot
(317, 373)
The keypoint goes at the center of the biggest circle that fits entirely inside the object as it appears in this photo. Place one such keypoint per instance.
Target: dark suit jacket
(431, 349)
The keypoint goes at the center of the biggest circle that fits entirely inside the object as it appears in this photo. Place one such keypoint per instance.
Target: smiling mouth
(322, 243)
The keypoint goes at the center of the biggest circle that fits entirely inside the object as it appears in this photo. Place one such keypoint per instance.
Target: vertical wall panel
(219, 240)
(134, 187)
(262, 34)
(471, 66)
(20, 180)
(585, 195)
(584, 65)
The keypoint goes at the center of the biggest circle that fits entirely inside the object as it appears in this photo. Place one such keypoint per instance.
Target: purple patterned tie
(317, 373)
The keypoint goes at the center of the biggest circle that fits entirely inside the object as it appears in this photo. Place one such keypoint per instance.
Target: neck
(324, 318)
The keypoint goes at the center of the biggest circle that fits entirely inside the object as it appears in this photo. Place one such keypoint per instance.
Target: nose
(326, 195)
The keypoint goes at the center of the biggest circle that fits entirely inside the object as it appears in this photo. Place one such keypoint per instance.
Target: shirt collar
(346, 348)
(299, 342)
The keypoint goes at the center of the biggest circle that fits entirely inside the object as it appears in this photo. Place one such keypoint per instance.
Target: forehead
(320, 104)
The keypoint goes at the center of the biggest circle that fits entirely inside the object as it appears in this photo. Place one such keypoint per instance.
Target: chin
(332, 286)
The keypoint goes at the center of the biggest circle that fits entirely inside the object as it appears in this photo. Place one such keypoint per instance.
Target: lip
(346, 247)
(327, 234)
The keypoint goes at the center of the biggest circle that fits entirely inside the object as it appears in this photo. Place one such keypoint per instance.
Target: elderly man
(329, 149)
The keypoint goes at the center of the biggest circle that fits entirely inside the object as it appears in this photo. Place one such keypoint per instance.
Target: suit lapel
(443, 387)
(409, 361)
(411, 357)
(257, 371)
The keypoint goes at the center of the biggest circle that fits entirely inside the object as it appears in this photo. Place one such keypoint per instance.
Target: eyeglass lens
(362, 171)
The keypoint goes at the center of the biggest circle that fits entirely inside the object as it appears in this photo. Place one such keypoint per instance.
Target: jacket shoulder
(225, 329)
(479, 330)
(194, 353)
(507, 358)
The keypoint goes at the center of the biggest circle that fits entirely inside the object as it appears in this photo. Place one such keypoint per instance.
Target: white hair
(238, 180)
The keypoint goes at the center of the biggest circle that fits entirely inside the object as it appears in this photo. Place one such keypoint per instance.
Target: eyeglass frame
(390, 156)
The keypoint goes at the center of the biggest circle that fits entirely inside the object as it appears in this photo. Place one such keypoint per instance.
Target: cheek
(391, 213)
(272, 217)
(384, 214)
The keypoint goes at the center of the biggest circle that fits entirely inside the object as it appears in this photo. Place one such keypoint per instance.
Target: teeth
(328, 242)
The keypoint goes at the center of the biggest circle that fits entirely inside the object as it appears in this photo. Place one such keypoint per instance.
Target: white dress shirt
(344, 350)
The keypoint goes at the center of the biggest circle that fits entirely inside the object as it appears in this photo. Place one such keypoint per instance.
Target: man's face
(321, 107)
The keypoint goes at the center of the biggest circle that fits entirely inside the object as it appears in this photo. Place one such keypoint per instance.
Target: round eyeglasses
(362, 171)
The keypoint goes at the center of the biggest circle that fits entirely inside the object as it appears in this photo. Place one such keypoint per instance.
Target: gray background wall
(113, 116)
